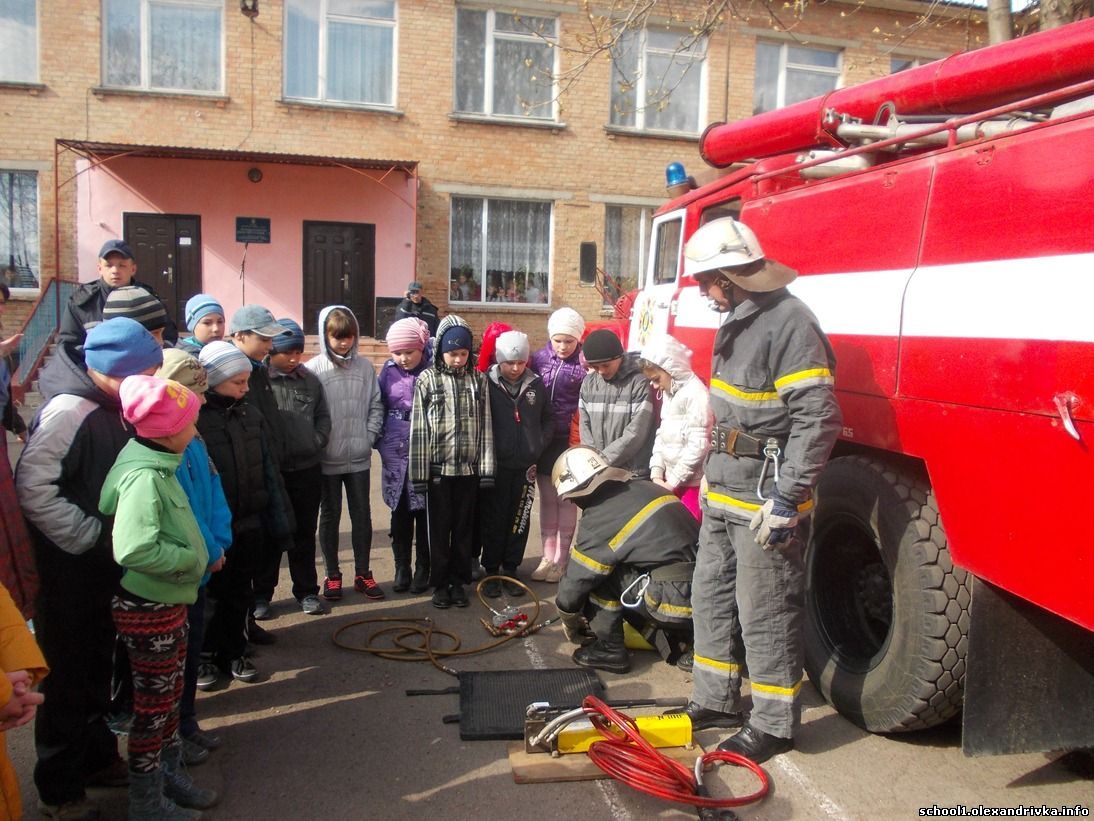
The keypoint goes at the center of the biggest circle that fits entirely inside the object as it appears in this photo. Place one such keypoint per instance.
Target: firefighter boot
(402, 567)
(611, 657)
(756, 745)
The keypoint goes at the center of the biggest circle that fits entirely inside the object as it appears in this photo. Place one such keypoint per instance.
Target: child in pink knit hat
(159, 545)
(407, 340)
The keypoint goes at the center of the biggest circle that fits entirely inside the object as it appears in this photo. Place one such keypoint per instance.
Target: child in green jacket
(160, 547)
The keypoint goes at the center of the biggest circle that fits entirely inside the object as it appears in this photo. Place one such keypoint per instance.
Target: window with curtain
(18, 41)
(500, 251)
(19, 228)
(787, 74)
(505, 64)
(626, 244)
(158, 45)
(657, 80)
(340, 51)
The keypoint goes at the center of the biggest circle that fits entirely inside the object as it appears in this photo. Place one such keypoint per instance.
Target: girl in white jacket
(680, 448)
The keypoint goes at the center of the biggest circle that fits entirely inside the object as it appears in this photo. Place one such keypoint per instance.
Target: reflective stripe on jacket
(772, 376)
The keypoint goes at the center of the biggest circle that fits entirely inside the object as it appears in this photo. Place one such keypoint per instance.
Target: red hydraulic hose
(626, 756)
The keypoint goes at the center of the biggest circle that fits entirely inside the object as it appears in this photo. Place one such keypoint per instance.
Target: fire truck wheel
(886, 610)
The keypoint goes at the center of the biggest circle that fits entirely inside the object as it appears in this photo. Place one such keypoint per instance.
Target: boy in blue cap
(74, 440)
(205, 320)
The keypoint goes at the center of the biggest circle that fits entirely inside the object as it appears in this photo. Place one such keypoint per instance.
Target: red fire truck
(942, 220)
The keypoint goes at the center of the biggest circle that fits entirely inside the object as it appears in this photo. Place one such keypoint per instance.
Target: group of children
(237, 451)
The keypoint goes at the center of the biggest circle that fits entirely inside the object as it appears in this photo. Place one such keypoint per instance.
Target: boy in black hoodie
(520, 410)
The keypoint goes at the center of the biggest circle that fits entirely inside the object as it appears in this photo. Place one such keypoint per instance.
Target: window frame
(487, 78)
(14, 166)
(912, 61)
(145, 84)
(645, 235)
(785, 64)
(644, 49)
(34, 77)
(321, 58)
(482, 302)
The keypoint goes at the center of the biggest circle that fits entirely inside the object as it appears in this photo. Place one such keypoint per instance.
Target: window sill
(500, 307)
(326, 105)
(649, 133)
(33, 89)
(488, 119)
(220, 100)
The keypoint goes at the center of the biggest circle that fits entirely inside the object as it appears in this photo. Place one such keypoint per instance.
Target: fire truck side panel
(1017, 196)
(1002, 481)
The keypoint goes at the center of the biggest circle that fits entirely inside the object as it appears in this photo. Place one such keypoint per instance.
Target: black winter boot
(420, 582)
(600, 656)
(402, 568)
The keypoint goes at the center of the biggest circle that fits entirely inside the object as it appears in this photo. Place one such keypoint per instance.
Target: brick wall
(582, 159)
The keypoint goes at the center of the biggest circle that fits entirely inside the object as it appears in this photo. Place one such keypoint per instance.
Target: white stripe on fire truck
(1032, 298)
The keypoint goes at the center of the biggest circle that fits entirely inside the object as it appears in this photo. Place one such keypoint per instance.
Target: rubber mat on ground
(493, 703)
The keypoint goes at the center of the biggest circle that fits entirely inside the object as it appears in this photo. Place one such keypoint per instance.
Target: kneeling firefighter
(634, 550)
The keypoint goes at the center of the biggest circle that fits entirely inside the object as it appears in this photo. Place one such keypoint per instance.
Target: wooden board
(542, 768)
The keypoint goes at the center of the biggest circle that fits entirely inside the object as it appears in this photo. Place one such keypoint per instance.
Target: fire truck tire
(886, 610)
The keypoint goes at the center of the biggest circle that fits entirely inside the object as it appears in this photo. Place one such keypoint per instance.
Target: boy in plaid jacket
(451, 456)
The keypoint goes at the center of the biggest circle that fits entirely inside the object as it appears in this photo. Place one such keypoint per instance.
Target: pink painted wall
(219, 191)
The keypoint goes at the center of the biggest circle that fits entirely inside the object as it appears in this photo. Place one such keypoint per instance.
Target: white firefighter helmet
(725, 244)
(580, 470)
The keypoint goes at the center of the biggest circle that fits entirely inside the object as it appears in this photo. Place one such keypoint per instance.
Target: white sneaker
(540, 573)
(556, 572)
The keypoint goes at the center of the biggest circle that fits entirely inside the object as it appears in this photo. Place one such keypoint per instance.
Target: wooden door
(167, 250)
(340, 268)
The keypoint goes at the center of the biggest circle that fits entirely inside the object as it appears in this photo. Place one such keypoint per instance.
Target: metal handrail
(38, 331)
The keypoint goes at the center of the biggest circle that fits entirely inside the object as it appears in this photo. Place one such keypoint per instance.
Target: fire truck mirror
(588, 262)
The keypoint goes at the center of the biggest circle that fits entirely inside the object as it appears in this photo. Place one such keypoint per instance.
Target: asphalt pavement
(328, 733)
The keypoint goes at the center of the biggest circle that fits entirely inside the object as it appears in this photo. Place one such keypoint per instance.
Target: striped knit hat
(293, 340)
(407, 334)
(222, 361)
(136, 303)
(200, 305)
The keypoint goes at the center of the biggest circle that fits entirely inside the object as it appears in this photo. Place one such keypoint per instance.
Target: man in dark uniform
(417, 306)
(776, 420)
(629, 528)
(117, 268)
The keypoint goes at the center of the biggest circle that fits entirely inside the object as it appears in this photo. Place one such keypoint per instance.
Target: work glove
(775, 522)
(576, 627)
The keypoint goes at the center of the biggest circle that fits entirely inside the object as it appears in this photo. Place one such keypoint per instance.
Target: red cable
(627, 757)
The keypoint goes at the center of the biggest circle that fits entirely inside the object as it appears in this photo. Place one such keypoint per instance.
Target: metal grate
(493, 703)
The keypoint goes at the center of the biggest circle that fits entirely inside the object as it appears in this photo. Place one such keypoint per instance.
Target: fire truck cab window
(667, 260)
(722, 209)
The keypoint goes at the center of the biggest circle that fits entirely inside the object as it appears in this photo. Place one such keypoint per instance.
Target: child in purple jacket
(559, 365)
(407, 340)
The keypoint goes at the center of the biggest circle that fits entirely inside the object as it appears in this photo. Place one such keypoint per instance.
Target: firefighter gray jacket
(639, 525)
(772, 376)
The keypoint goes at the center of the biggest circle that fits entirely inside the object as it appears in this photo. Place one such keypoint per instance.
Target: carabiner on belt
(642, 582)
(771, 454)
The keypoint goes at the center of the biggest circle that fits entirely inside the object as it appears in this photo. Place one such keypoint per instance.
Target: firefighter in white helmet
(775, 422)
(634, 550)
